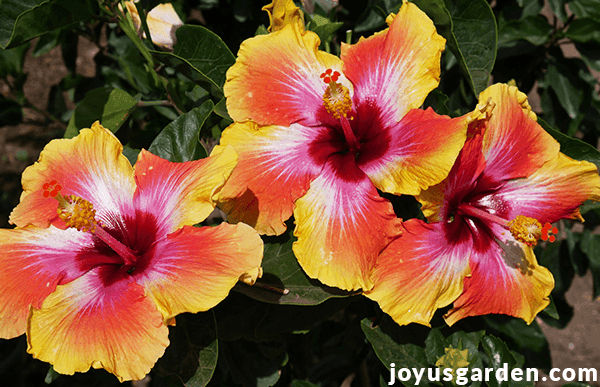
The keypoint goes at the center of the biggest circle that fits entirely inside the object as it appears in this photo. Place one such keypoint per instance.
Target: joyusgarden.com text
(462, 376)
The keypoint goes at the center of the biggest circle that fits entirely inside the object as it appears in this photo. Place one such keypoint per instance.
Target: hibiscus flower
(104, 256)
(318, 136)
(486, 217)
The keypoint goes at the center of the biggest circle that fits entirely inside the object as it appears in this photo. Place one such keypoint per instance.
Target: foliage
(172, 103)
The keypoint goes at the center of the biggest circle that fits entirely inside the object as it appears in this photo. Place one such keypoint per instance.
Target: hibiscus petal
(553, 192)
(505, 279)
(419, 272)
(282, 13)
(275, 167)
(421, 151)
(276, 79)
(440, 199)
(515, 145)
(34, 261)
(91, 166)
(342, 225)
(178, 194)
(395, 69)
(101, 320)
(194, 269)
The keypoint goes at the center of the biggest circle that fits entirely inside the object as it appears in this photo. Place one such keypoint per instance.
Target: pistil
(338, 103)
(524, 229)
(79, 213)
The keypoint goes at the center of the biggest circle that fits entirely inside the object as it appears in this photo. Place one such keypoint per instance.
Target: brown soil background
(576, 346)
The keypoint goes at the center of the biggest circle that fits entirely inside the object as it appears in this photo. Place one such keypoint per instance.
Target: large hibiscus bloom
(318, 135)
(508, 181)
(105, 255)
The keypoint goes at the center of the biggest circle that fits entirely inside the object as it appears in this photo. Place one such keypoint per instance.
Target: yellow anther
(526, 230)
(337, 100)
(77, 212)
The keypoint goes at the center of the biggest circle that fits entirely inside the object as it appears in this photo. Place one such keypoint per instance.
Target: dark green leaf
(590, 54)
(558, 78)
(22, 20)
(533, 29)
(389, 351)
(203, 51)
(585, 8)
(254, 364)
(11, 60)
(179, 141)
(573, 147)
(47, 42)
(434, 346)
(499, 358)
(303, 383)
(590, 245)
(109, 106)
(11, 112)
(193, 352)
(551, 310)
(281, 270)
(525, 336)
(584, 30)
(558, 7)
(473, 40)
(221, 109)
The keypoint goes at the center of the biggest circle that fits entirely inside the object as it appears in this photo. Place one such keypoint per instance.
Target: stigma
(336, 98)
(76, 212)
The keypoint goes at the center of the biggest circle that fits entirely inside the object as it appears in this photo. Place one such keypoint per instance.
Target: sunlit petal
(100, 320)
(342, 225)
(419, 272)
(275, 167)
(195, 268)
(91, 166)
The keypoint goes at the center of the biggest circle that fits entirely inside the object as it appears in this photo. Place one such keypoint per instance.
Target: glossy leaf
(193, 353)
(585, 8)
(109, 106)
(573, 147)
(11, 60)
(22, 20)
(473, 40)
(282, 271)
(200, 55)
(584, 30)
(533, 29)
(389, 351)
(499, 355)
(179, 141)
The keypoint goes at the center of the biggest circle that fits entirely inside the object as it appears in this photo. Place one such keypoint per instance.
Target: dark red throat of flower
(79, 213)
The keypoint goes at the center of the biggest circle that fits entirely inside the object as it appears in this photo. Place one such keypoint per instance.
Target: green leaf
(551, 310)
(473, 40)
(323, 27)
(193, 352)
(590, 245)
(570, 97)
(281, 270)
(558, 7)
(533, 29)
(201, 54)
(585, 8)
(526, 336)
(22, 20)
(11, 60)
(434, 345)
(584, 30)
(109, 106)
(499, 355)
(303, 383)
(573, 147)
(389, 351)
(470, 29)
(179, 141)
(249, 364)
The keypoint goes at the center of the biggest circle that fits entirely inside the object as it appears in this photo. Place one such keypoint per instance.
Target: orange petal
(398, 67)
(34, 261)
(342, 225)
(195, 268)
(90, 165)
(514, 145)
(275, 168)
(276, 79)
(419, 272)
(505, 279)
(179, 194)
(282, 13)
(100, 320)
(553, 192)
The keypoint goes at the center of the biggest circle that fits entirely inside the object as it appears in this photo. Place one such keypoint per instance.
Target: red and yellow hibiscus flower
(104, 256)
(486, 216)
(318, 136)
